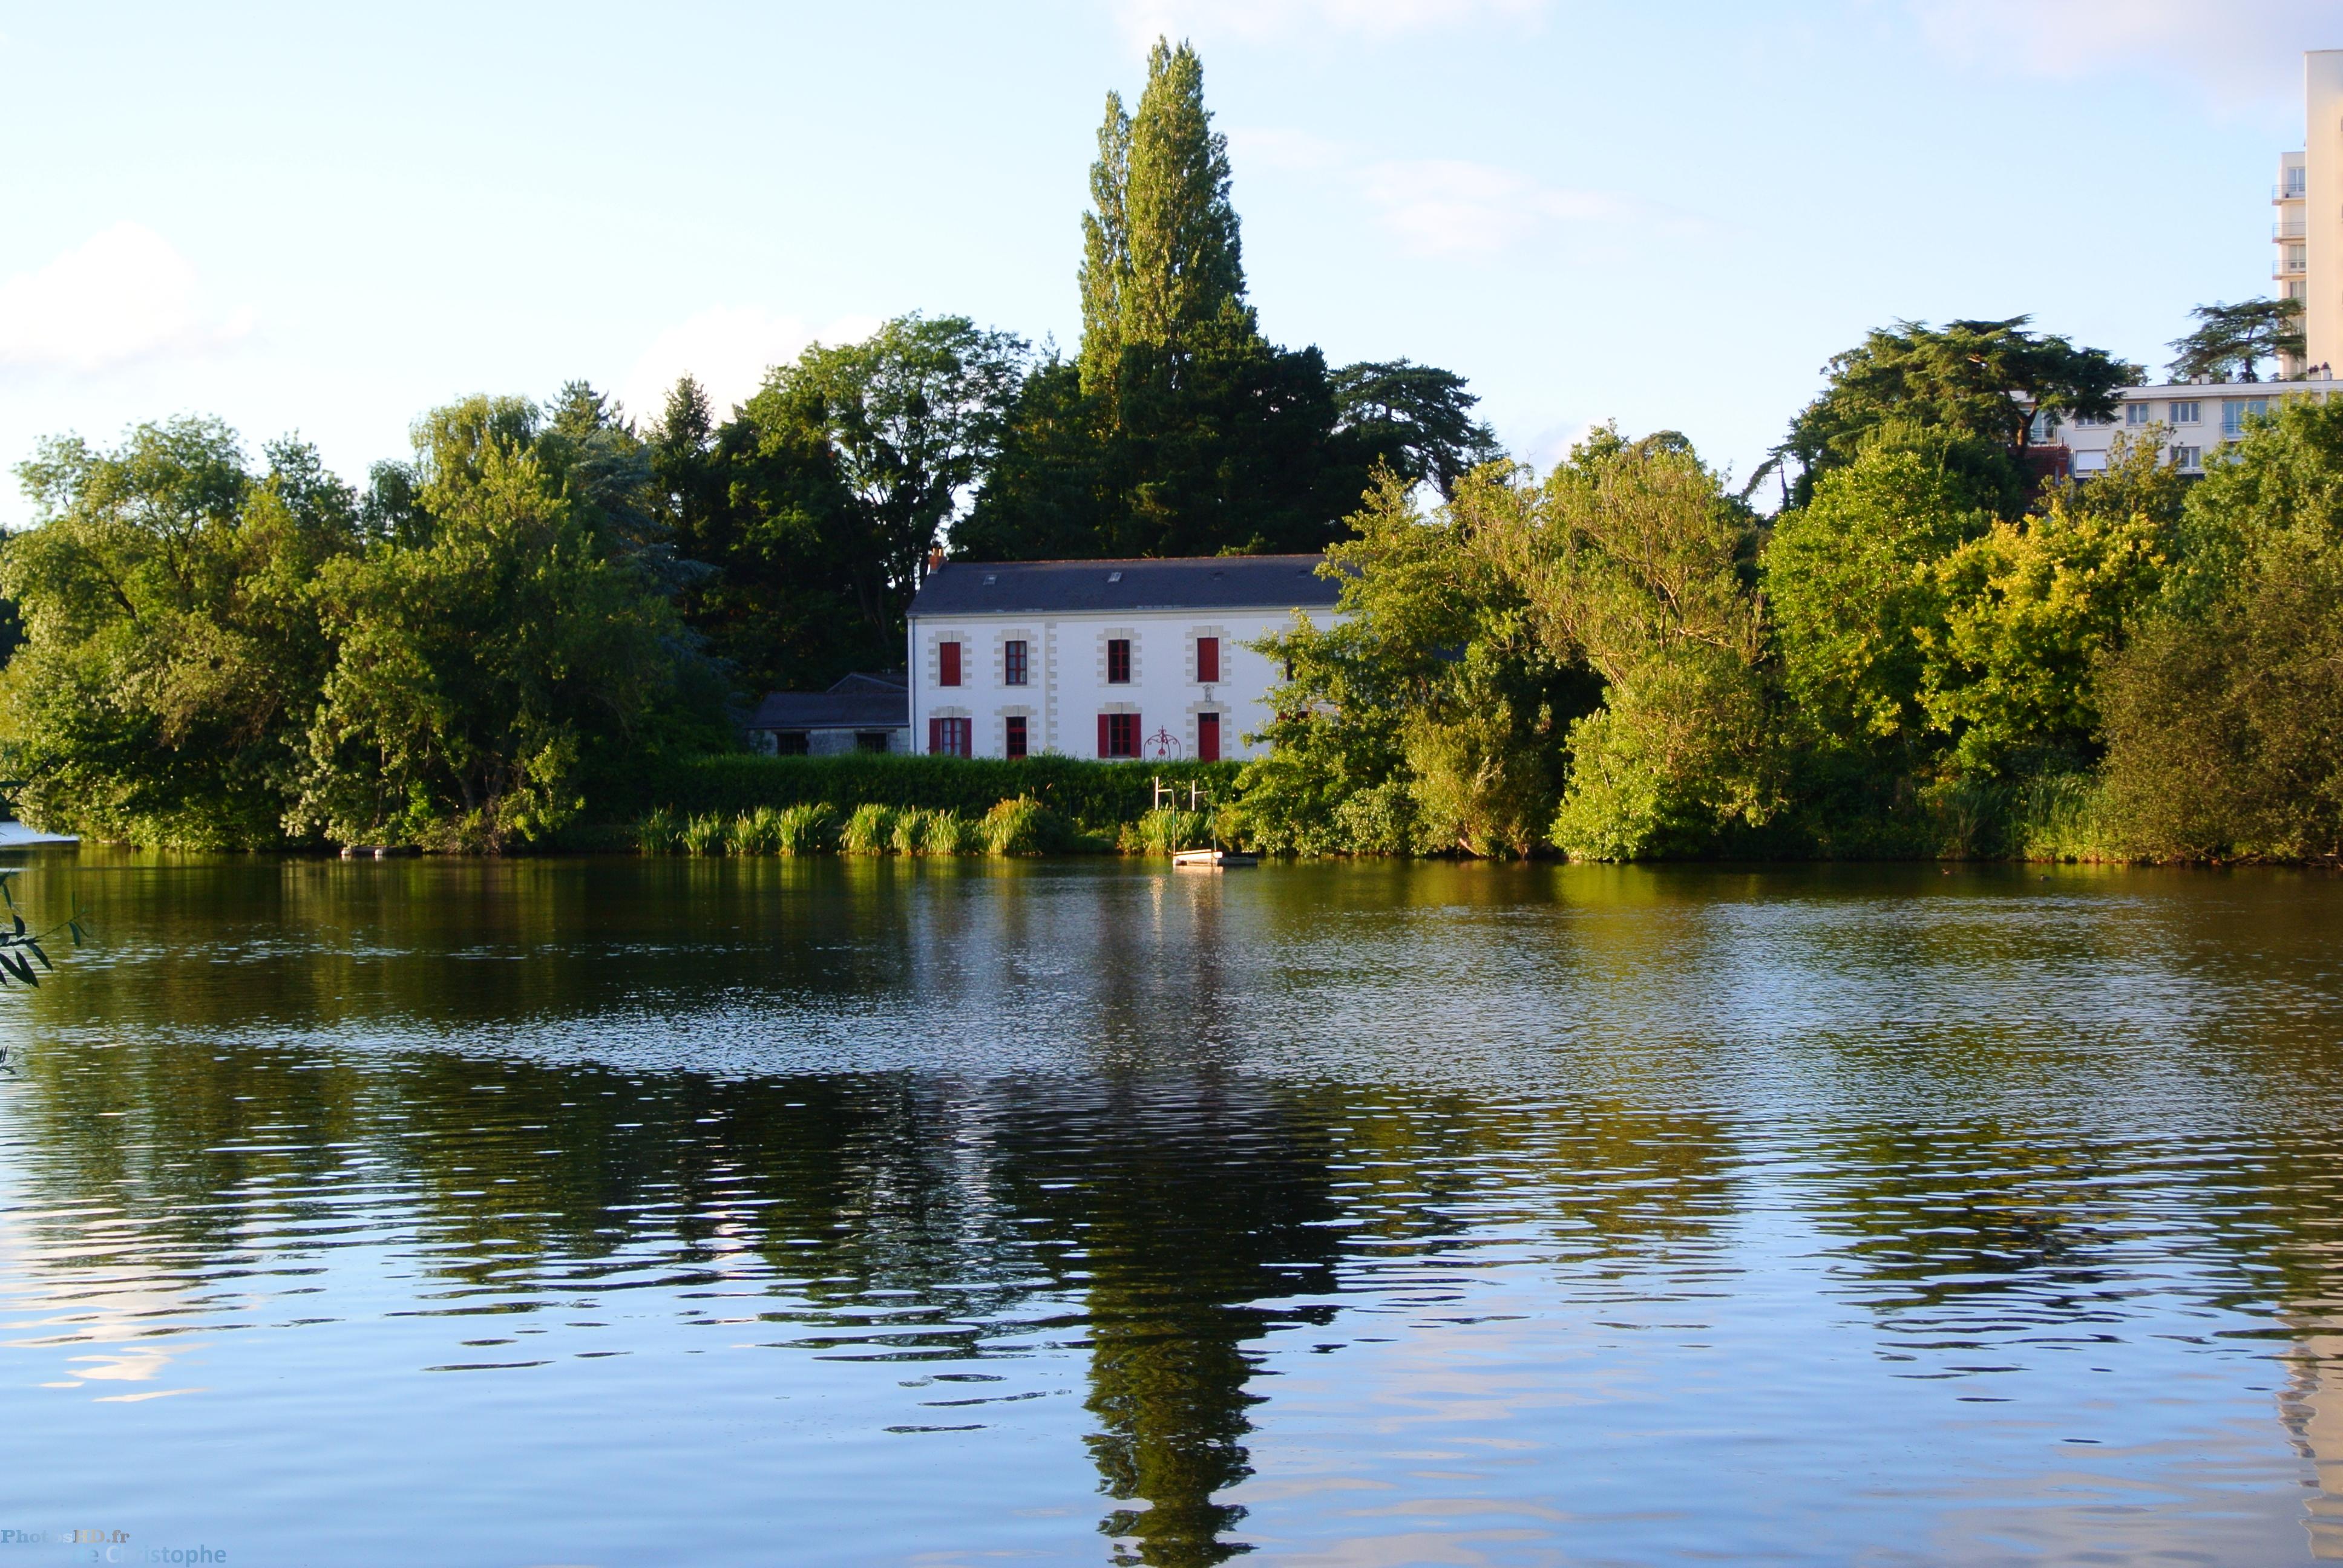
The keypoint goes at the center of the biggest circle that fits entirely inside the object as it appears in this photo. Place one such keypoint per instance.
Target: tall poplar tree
(1160, 254)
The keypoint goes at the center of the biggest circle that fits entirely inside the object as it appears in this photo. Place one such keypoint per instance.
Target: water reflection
(929, 1142)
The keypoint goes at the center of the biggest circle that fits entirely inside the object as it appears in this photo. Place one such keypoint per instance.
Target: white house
(1102, 659)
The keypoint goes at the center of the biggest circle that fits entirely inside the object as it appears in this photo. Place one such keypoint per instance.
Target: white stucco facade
(1152, 680)
(1066, 687)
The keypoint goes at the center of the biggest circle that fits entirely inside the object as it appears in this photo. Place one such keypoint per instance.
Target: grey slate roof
(858, 701)
(1194, 582)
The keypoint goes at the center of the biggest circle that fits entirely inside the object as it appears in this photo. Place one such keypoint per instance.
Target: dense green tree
(2230, 342)
(2029, 609)
(780, 583)
(2225, 712)
(174, 648)
(1415, 421)
(1179, 428)
(1852, 586)
(482, 657)
(1981, 379)
(1161, 253)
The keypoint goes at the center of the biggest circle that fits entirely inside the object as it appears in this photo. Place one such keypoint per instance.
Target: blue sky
(328, 218)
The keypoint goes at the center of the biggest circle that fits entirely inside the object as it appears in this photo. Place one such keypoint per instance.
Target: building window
(1012, 663)
(792, 743)
(2043, 426)
(2091, 421)
(948, 737)
(2297, 180)
(2235, 411)
(2138, 412)
(1118, 663)
(872, 740)
(1208, 738)
(1013, 736)
(2187, 457)
(947, 664)
(2298, 258)
(1208, 660)
(1118, 735)
(2186, 413)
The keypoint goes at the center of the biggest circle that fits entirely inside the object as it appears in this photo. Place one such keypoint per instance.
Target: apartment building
(2309, 229)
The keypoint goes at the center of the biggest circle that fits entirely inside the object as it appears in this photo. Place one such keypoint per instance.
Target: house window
(2187, 457)
(1208, 738)
(947, 664)
(2042, 426)
(1118, 663)
(1118, 735)
(2138, 412)
(792, 743)
(2188, 413)
(1208, 660)
(2235, 411)
(948, 737)
(1013, 736)
(2298, 179)
(1012, 663)
(872, 740)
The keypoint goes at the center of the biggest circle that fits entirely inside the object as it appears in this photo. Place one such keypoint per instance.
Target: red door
(1208, 738)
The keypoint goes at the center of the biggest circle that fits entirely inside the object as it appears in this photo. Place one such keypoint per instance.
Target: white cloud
(726, 349)
(120, 296)
(2243, 51)
(1145, 20)
(1448, 206)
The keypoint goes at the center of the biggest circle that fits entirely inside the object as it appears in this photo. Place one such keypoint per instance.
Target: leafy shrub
(1382, 820)
(1023, 826)
(1166, 830)
(871, 831)
(757, 832)
(950, 833)
(807, 829)
(1100, 794)
(911, 834)
(705, 834)
(659, 833)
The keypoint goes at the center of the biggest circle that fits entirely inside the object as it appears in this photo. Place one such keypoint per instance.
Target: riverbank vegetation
(540, 629)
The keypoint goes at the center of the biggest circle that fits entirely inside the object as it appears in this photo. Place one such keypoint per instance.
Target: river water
(617, 1212)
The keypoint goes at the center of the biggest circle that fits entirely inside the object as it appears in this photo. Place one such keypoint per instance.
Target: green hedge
(1100, 796)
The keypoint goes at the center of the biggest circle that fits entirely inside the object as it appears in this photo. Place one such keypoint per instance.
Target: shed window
(1118, 663)
(1208, 660)
(792, 743)
(947, 664)
(873, 740)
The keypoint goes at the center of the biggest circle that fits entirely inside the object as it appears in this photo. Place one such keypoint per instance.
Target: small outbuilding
(862, 712)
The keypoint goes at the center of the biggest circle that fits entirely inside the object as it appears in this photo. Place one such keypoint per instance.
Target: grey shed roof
(857, 702)
(1194, 582)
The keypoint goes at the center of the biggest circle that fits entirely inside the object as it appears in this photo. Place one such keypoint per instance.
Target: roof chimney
(935, 556)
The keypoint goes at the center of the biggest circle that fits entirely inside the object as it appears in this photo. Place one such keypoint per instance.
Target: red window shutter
(1208, 738)
(948, 660)
(935, 735)
(1208, 660)
(1106, 726)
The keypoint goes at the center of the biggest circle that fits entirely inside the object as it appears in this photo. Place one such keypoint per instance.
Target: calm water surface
(623, 1212)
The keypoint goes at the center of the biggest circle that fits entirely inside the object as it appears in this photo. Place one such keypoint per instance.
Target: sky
(326, 219)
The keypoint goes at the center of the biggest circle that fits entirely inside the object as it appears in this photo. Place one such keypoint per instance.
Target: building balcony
(2289, 229)
(2289, 269)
